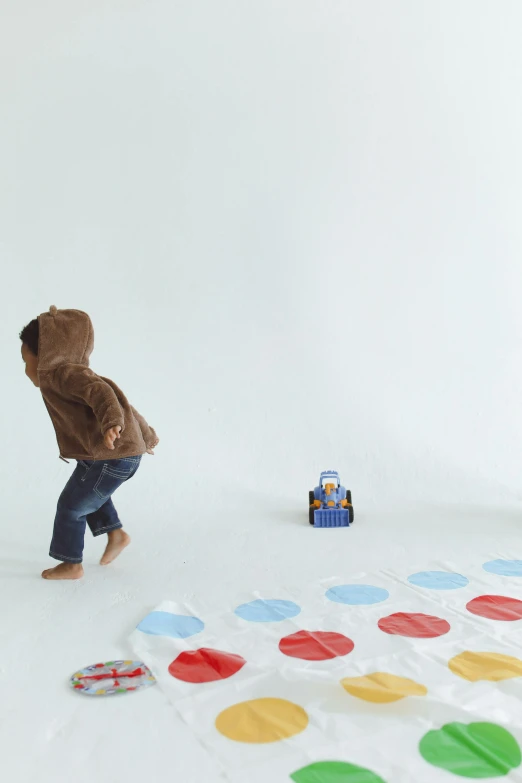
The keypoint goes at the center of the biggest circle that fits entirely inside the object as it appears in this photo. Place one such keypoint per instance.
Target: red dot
(316, 645)
(496, 607)
(416, 626)
(205, 665)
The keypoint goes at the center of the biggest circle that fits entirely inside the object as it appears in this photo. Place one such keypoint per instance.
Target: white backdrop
(296, 226)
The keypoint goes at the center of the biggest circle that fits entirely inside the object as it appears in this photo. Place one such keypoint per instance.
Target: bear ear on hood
(66, 337)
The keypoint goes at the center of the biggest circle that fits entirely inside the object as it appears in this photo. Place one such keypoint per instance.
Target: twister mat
(386, 678)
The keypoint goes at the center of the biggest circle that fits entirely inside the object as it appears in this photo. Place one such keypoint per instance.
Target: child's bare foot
(64, 571)
(118, 540)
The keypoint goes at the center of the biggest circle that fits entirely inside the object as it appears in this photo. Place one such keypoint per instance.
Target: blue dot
(504, 567)
(267, 611)
(357, 595)
(438, 580)
(178, 626)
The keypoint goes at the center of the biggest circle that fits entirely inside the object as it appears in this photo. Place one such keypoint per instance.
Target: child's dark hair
(30, 335)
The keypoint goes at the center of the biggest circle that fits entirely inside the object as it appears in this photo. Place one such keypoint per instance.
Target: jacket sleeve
(85, 386)
(149, 435)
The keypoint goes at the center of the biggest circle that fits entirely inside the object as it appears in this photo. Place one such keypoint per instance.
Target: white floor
(51, 629)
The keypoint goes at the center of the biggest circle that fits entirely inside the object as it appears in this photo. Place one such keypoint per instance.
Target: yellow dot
(262, 720)
(382, 688)
(100, 692)
(475, 666)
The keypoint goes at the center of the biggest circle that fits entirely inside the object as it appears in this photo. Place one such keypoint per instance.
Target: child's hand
(111, 435)
(151, 448)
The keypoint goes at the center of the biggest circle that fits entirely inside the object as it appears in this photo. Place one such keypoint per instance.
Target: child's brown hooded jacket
(83, 405)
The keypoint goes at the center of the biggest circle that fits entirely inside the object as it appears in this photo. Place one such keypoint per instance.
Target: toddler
(94, 423)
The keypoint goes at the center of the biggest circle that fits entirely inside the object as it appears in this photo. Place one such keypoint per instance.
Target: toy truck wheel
(311, 497)
(311, 514)
(349, 496)
(351, 514)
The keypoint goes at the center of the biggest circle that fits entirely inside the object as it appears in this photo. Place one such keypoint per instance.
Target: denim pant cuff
(65, 559)
(101, 530)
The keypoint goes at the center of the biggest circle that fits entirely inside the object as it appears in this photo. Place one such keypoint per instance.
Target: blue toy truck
(330, 503)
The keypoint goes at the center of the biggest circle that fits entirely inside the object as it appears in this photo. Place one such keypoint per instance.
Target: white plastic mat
(275, 717)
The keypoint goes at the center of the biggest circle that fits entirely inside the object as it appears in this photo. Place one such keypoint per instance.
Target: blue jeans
(86, 499)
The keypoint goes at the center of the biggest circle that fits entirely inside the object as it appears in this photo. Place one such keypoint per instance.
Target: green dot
(473, 750)
(335, 772)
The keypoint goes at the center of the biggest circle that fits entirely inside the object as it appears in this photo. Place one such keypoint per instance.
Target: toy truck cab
(330, 504)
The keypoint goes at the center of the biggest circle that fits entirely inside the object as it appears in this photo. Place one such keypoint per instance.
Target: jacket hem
(116, 454)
